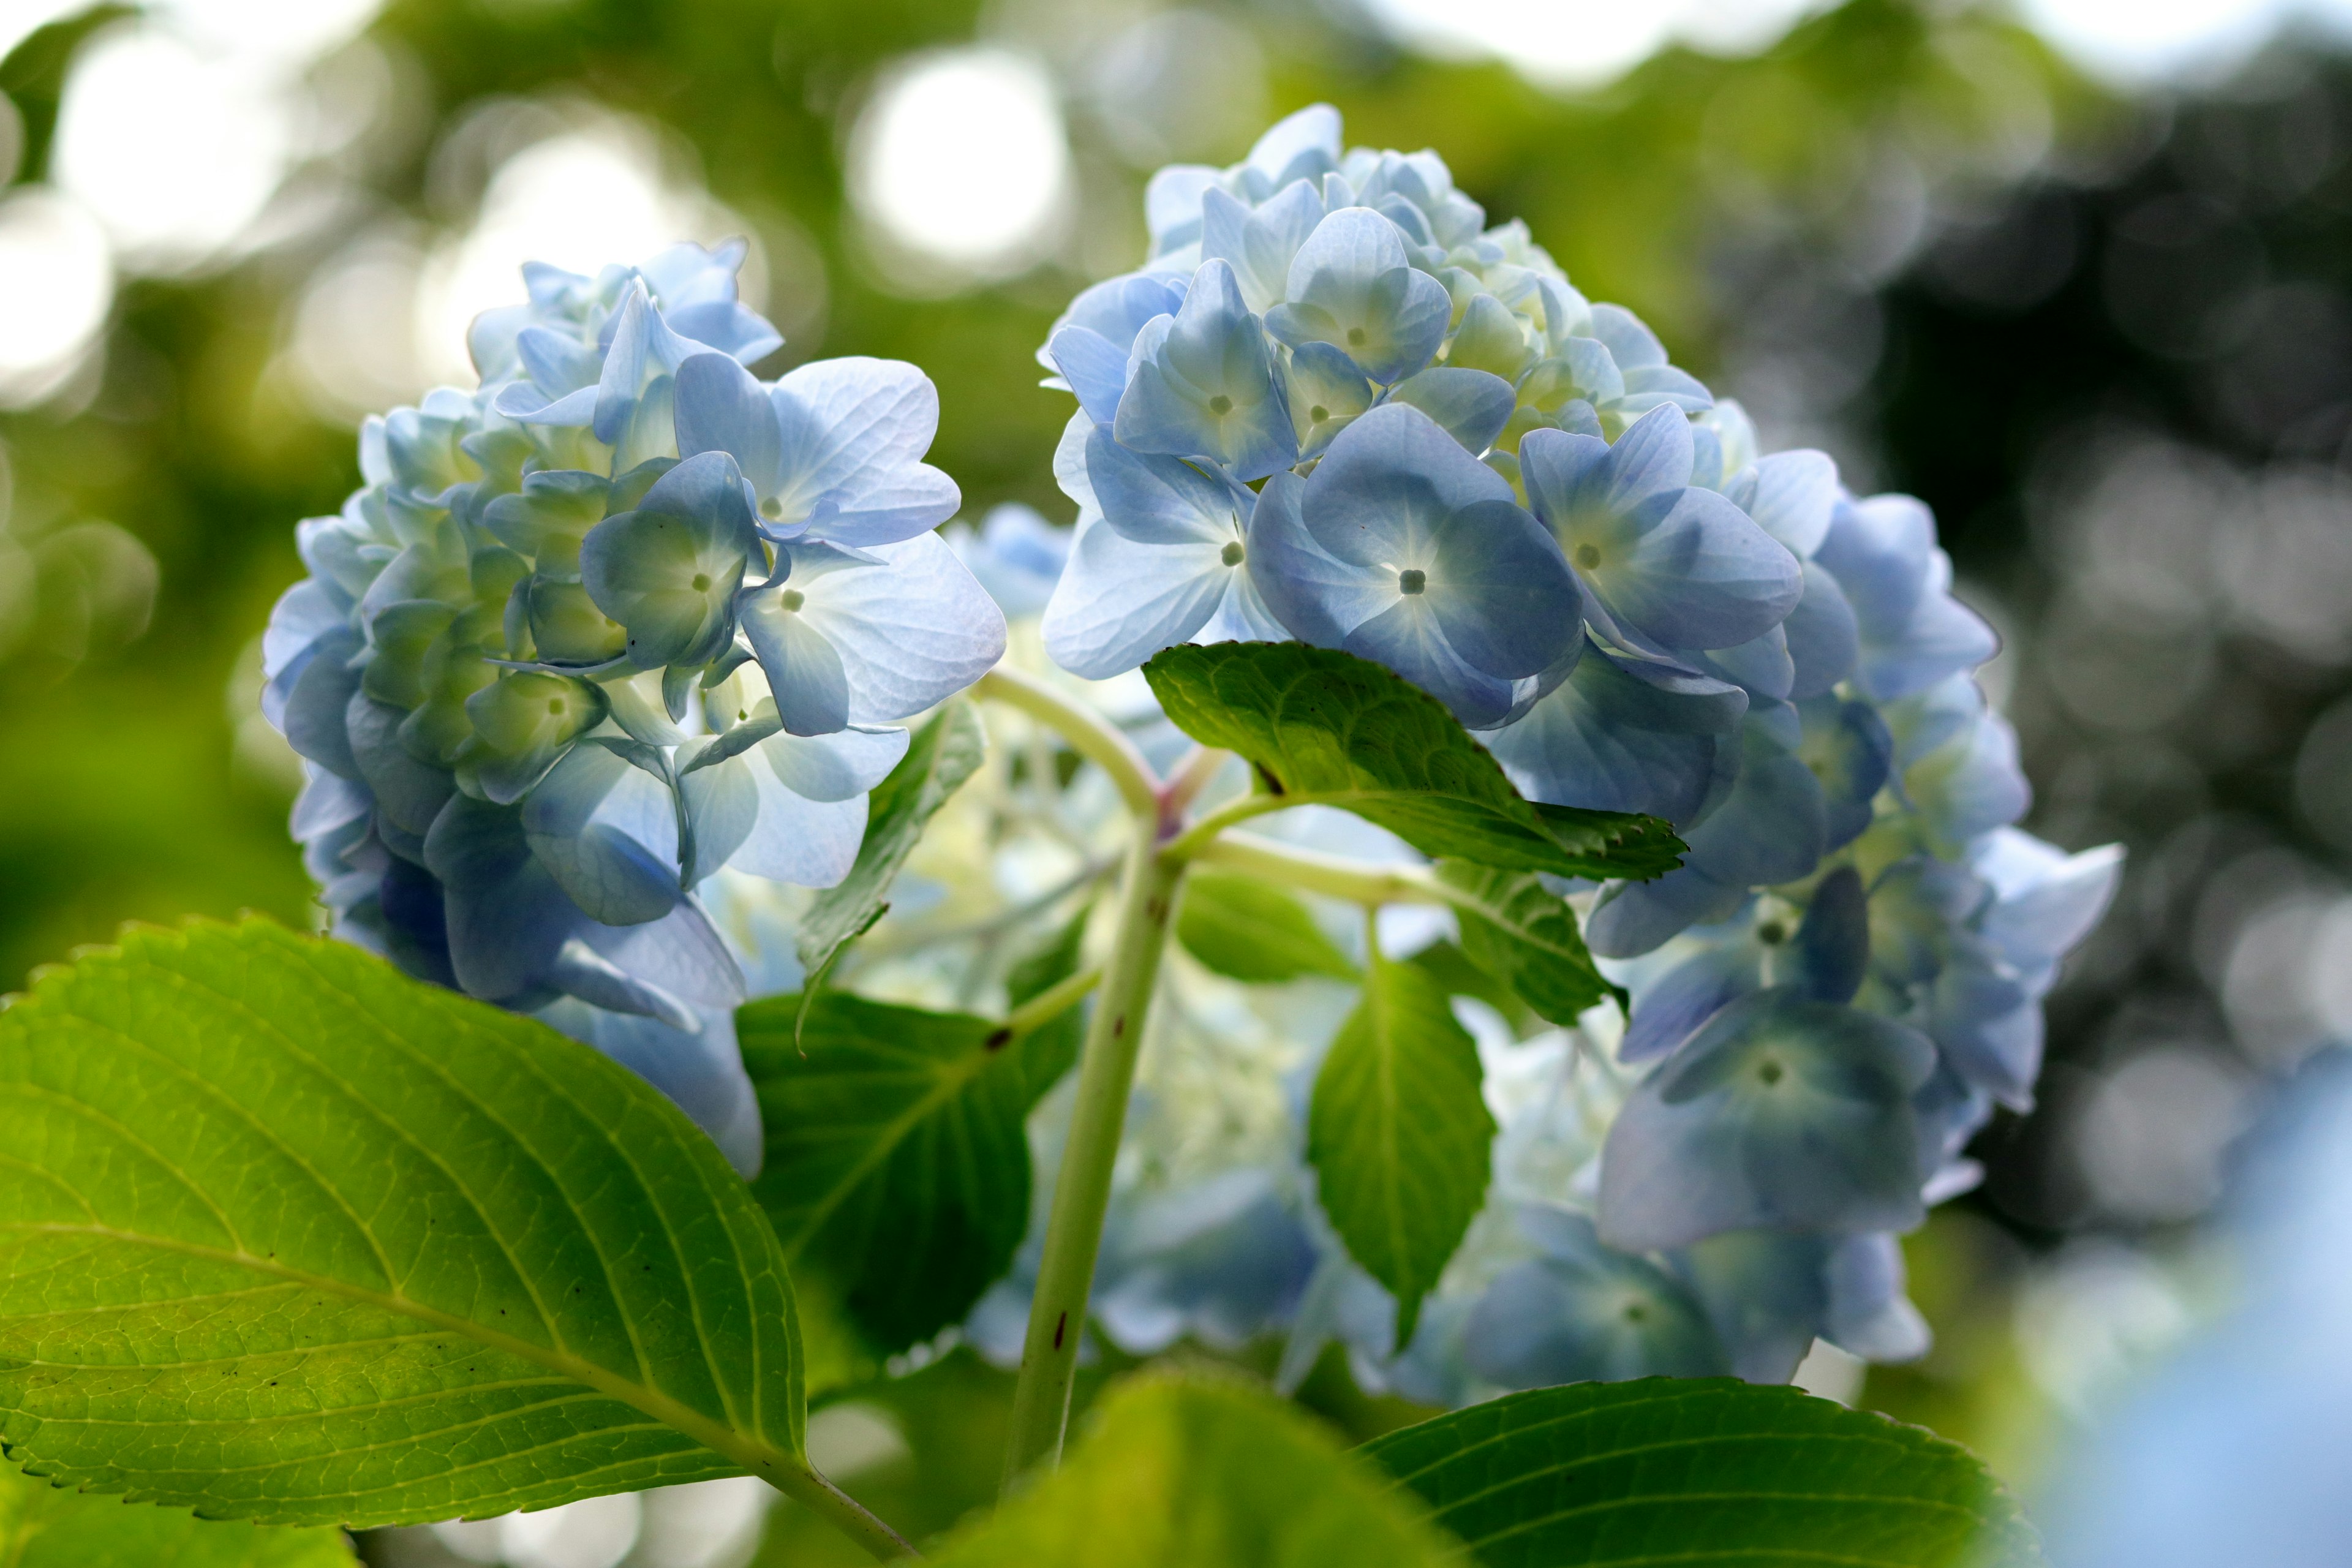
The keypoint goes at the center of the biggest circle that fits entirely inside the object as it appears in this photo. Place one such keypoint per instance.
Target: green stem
(1333, 876)
(1047, 1005)
(1057, 1313)
(1089, 735)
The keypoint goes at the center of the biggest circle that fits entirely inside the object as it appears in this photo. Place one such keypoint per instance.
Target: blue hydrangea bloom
(617, 620)
(1337, 404)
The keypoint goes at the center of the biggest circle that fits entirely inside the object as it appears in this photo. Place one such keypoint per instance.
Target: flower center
(1412, 580)
(1221, 403)
(771, 508)
(1771, 1072)
(1355, 337)
(1771, 933)
(1317, 414)
(1588, 556)
(555, 705)
(792, 599)
(1232, 555)
(702, 582)
(1635, 1311)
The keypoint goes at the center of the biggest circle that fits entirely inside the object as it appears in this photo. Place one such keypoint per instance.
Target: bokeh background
(2080, 274)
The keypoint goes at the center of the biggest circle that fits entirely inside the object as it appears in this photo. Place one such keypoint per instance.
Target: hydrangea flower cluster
(620, 617)
(1337, 407)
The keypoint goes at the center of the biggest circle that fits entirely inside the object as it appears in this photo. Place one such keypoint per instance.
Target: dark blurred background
(2080, 278)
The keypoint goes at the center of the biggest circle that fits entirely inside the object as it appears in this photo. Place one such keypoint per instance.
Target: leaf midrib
(752, 1452)
(948, 1080)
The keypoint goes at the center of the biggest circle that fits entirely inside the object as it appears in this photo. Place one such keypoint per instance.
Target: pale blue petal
(1259, 244)
(722, 408)
(1846, 747)
(607, 831)
(1387, 483)
(1315, 594)
(1624, 736)
(701, 1071)
(833, 767)
(1790, 495)
(1407, 636)
(1501, 591)
(1823, 641)
(1781, 1114)
(1157, 500)
(1206, 387)
(806, 671)
(1868, 1314)
(1121, 602)
(854, 432)
(912, 630)
(1470, 405)
(1095, 367)
(1764, 1293)
(1635, 918)
(1672, 1008)
(1584, 1313)
(808, 843)
(1832, 943)
(507, 918)
(1351, 285)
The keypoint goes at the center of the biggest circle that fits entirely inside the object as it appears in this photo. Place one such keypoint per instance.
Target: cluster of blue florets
(619, 618)
(1337, 407)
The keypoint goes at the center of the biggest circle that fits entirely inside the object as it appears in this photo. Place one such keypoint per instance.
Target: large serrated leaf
(1254, 931)
(42, 1526)
(942, 756)
(1177, 1473)
(897, 1159)
(288, 1236)
(1707, 1472)
(1399, 1135)
(1329, 727)
(1525, 934)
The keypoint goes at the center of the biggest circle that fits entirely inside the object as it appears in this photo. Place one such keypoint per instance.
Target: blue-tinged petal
(1623, 734)
(1205, 387)
(1970, 784)
(1762, 666)
(1117, 310)
(1790, 495)
(506, 916)
(912, 628)
(1094, 368)
(1916, 907)
(722, 407)
(1259, 243)
(409, 792)
(854, 432)
(1832, 943)
(809, 843)
(1119, 601)
(1351, 285)
(1912, 633)
(1631, 343)
(523, 721)
(1470, 405)
(1765, 1294)
(1409, 637)
(313, 716)
(1242, 615)
(607, 831)
(1222, 1259)
(549, 517)
(1315, 595)
(1497, 582)
(1635, 918)
(1868, 1312)
(1583, 1314)
(1703, 576)
(1172, 205)
(1325, 392)
(1388, 482)
(701, 1071)
(1158, 499)
(806, 672)
(1672, 1008)
(2044, 900)
(1824, 642)
(833, 767)
(1988, 1024)
(682, 953)
(1847, 748)
(670, 569)
(1781, 1114)
(1308, 132)
(720, 792)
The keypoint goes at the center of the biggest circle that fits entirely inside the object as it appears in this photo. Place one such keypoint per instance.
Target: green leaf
(1523, 932)
(286, 1236)
(1706, 1472)
(1459, 976)
(1179, 1473)
(42, 1526)
(1326, 727)
(1254, 931)
(942, 755)
(897, 1160)
(1399, 1134)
